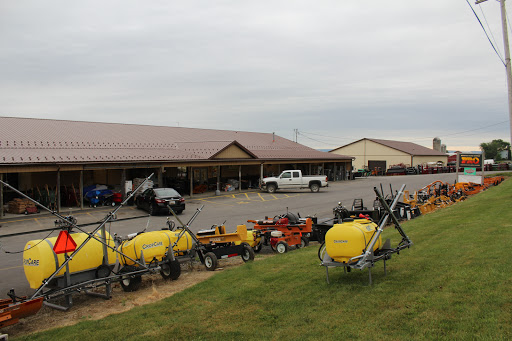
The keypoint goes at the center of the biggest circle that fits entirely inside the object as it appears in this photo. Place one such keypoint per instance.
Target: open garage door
(377, 167)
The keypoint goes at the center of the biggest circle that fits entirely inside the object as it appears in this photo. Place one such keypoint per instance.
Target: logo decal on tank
(31, 262)
(152, 245)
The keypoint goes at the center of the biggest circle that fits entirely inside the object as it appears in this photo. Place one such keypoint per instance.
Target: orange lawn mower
(283, 231)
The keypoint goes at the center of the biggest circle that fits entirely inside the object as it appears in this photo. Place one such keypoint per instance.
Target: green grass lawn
(455, 283)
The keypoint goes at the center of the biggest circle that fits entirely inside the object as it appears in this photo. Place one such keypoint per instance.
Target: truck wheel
(314, 188)
(171, 270)
(210, 261)
(258, 247)
(271, 188)
(247, 253)
(282, 247)
(130, 282)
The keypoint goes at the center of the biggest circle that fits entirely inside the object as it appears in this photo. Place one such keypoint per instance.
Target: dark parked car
(155, 200)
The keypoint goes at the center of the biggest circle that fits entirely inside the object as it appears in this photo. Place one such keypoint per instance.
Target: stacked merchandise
(19, 206)
(138, 181)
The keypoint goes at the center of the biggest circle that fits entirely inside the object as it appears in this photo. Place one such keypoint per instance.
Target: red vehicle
(283, 231)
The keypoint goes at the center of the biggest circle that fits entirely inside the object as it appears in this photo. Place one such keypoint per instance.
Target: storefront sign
(469, 171)
(470, 160)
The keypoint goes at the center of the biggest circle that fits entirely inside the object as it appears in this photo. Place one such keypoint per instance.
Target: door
(377, 167)
(285, 180)
(296, 181)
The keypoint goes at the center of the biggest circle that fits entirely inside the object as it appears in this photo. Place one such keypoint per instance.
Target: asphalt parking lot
(233, 208)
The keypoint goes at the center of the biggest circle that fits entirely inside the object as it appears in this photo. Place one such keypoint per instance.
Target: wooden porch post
(81, 189)
(240, 178)
(1, 196)
(57, 191)
(191, 181)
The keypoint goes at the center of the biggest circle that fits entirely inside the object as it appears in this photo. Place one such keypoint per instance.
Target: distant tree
(492, 149)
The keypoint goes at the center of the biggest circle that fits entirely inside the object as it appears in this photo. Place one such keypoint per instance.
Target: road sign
(64, 243)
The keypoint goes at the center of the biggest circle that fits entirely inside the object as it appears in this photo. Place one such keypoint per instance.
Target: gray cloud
(400, 70)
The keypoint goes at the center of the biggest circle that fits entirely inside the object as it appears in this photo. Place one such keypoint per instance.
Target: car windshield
(166, 192)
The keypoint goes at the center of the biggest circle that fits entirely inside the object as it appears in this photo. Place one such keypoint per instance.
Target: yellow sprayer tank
(154, 245)
(39, 260)
(349, 239)
(252, 238)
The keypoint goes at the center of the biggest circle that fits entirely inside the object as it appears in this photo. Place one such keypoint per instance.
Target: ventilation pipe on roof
(273, 136)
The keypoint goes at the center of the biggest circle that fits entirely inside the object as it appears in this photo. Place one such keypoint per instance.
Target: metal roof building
(376, 153)
(56, 153)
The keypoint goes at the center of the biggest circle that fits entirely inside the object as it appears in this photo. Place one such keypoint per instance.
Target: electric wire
(492, 35)
(327, 143)
(305, 134)
(467, 131)
(508, 20)
(476, 15)
(42, 240)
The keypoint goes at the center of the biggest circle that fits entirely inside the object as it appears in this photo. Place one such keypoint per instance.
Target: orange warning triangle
(64, 243)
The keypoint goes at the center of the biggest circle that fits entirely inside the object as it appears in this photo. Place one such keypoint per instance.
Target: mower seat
(292, 218)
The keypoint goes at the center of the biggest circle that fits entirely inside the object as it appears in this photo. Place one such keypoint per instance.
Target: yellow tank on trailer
(39, 260)
(253, 238)
(349, 239)
(154, 245)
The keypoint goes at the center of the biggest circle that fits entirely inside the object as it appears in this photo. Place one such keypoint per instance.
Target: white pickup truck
(293, 179)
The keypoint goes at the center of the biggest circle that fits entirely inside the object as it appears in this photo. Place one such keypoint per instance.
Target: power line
(327, 143)
(483, 28)
(489, 27)
(467, 131)
(508, 20)
(416, 139)
(332, 137)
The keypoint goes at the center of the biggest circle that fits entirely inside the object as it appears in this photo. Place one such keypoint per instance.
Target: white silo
(436, 144)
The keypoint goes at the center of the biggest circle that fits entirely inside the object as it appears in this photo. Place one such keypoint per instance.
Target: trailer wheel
(247, 253)
(321, 251)
(281, 247)
(210, 261)
(130, 282)
(103, 271)
(258, 247)
(271, 188)
(170, 270)
(305, 241)
(314, 187)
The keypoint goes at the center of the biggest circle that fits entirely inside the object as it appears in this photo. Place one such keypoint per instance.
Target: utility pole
(507, 59)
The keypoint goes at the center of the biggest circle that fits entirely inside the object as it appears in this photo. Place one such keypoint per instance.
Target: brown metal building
(38, 154)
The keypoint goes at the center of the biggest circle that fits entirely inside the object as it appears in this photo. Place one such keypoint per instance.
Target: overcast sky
(337, 70)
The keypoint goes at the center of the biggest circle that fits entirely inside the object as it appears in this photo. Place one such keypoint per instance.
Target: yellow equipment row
(40, 261)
